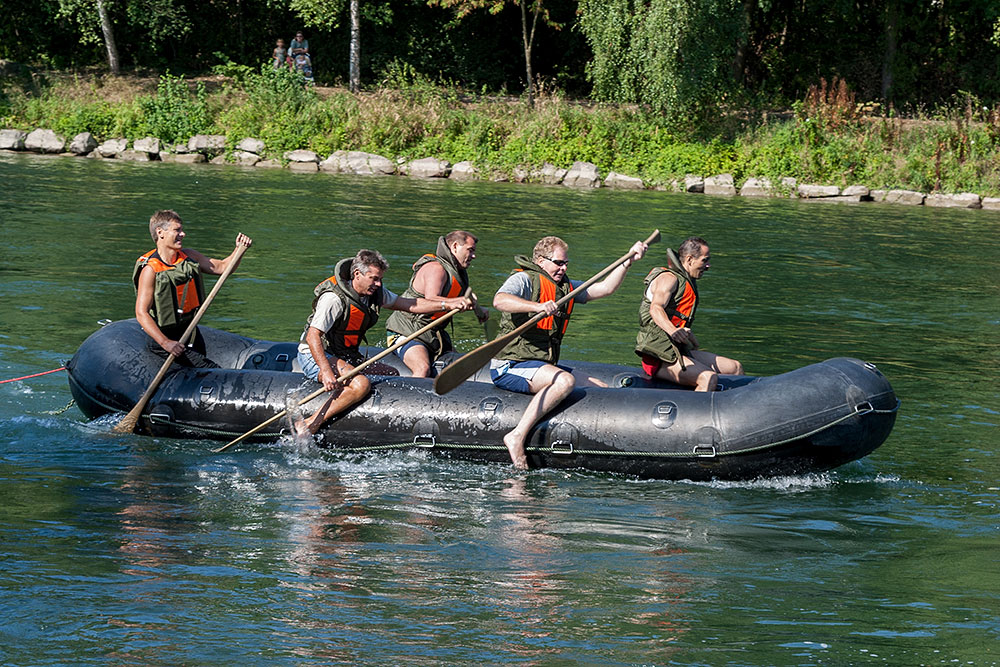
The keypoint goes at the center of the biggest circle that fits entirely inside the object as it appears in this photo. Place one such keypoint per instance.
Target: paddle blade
(128, 422)
(466, 366)
(490, 327)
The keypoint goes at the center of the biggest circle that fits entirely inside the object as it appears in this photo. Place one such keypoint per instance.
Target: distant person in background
(280, 54)
(169, 289)
(665, 343)
(299, 45)
(303, 65)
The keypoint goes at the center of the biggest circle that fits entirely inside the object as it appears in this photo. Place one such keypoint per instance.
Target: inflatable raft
(811, 419)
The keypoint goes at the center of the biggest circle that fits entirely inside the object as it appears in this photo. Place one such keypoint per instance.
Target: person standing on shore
(529, 364)
(665, 343)
(442, 274)
(169, 289)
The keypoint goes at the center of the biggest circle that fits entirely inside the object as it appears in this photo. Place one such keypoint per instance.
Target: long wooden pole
(128, 422)
(346, 376)
(458, 372)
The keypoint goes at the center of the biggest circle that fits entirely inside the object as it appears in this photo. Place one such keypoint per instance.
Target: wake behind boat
(811, 419)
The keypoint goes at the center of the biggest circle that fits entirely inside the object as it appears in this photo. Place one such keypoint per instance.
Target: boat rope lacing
(61, 410)
(156, 419)
(420, 441)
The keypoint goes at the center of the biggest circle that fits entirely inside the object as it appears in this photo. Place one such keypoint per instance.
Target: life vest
(404, 323)
(359, 314)
(542, 341)
(177, 288)
(680, 308)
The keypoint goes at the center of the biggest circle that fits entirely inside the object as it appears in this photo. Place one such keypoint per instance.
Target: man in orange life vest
(443, 273)
(665, 342)
(169, 289)
(528, 364)
(347, 304)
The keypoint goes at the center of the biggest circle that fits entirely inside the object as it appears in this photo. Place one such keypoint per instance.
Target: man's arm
(217, 267)
(143, 302)
(509, 303)
(327, 376)
(422, 306)
(663, 288)
(615, 278)
(430, 280)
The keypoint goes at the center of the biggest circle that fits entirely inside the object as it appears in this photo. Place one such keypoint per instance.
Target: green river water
(131, 550)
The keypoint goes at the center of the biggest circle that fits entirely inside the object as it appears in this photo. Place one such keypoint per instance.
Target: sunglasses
(557, 262)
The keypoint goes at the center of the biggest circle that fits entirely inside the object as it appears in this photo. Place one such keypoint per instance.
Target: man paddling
(442, 274)
(528, 364)
(665, 343)
(347, 305)
(169, 289)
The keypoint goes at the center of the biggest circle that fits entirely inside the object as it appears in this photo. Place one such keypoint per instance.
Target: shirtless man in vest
(528, 364)
(169, 288)
(443, 273)
(665, 342)
(347, 304)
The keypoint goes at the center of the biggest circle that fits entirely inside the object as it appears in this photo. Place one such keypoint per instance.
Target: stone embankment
(249, 153)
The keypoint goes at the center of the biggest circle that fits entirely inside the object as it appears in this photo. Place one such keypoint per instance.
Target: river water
(131, 550)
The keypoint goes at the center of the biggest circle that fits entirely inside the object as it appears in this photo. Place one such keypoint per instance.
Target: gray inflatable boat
(810, 419)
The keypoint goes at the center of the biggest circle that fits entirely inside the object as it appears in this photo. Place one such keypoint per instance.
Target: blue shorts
(309, 366)
(516, 375)
(391, 339)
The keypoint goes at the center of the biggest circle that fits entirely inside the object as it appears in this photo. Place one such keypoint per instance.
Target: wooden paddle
(128, 422)
(346, 376)
(465, 366)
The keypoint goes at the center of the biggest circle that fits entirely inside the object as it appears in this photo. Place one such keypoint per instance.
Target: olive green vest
(404, 323)
(543, 341)
(171, 286)
(651, 339)
(344, 337)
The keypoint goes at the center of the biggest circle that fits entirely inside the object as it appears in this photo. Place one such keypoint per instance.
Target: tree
(676, 56)
(91, 17)
(325, 15)
(157, 21)
(534, 8)
(109, 38)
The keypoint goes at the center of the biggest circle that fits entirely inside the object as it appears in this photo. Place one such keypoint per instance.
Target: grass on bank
(825, 140)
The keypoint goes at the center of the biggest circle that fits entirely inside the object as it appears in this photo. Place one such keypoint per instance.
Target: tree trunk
(529, 40)
(891, 37)
(109, 38)
(739, 64)
(355, 60)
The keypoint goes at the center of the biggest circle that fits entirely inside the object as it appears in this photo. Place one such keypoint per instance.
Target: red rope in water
(34, 375)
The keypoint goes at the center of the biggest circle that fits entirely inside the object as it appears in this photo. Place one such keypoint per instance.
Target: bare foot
(300, 431)
(515, 445)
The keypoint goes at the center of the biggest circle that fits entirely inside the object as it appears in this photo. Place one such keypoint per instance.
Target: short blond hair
(161, 219)
(545, 246)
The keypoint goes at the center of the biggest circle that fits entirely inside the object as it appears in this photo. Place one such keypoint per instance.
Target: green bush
(174, 114)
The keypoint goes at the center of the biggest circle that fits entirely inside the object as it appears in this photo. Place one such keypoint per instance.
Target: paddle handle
(459, 371)
(348, 375)
(128, 422)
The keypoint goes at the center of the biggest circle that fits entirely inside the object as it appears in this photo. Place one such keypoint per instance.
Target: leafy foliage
(672, 55)
(174, 114)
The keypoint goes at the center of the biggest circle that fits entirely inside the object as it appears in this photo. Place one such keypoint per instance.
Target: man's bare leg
(718, 363)
(695, 374)
(550, 386)
(418, 360)
(341, 400)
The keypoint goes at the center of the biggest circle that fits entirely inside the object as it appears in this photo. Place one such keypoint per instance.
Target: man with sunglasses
(528, 364)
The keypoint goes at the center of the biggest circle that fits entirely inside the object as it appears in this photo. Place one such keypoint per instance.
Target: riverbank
(824, 149)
